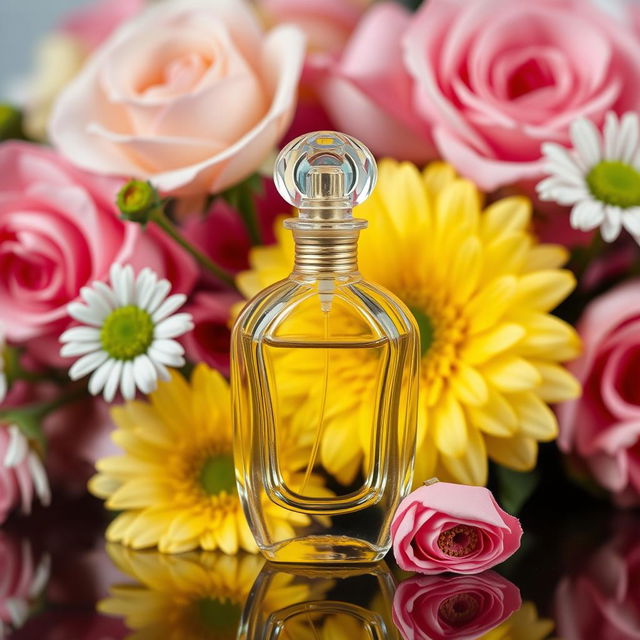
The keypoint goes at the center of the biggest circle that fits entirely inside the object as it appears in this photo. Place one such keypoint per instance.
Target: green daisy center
(127, 332)
(425, 325)
(220, 617)
(615, 183)
(218, 474)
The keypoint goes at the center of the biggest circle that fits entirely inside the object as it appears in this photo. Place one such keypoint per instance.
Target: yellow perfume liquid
(324, 379)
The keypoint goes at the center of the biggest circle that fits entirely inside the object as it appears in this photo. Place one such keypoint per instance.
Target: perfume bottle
(293, 347)
(293, 601)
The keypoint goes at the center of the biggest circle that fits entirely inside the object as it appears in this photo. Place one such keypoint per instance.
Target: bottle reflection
(484, 606)
(349, 604)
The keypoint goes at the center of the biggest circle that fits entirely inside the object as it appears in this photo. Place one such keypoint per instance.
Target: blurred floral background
(137, 212)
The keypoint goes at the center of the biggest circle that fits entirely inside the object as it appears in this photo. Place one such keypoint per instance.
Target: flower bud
(137, 200)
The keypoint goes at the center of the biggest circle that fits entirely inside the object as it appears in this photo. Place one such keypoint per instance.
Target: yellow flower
(175, 482)
(524, 624)
(195, 595)
(481, 289)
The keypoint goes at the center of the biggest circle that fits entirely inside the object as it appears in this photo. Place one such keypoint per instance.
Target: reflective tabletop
(576, 576)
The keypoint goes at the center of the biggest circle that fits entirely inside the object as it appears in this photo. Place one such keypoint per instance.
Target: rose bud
(450, 527)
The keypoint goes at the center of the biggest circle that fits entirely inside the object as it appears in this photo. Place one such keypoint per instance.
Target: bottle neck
(326, 251)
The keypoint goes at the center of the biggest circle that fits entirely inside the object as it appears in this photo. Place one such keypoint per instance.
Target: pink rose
(191, 95)
(369, 93)
(210, 339)
(22, 475)
(496, 78)
(60, 231)
(453, 607)
(452, 527)
(93, 24)
(602, 428)
(601, 601)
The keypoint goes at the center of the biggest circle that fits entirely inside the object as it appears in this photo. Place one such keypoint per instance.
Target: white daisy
(600, 177)
(127, 337)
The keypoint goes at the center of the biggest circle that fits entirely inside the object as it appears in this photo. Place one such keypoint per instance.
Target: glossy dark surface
(577, 576)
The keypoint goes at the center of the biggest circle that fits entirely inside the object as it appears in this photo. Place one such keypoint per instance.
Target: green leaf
(515, 487)
(10, 123)
(242, 198)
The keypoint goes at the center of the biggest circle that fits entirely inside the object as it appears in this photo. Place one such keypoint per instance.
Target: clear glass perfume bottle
(288, 345)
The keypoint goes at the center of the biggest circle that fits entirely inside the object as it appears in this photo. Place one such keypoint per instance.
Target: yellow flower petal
(546, 256)
(518, 452)
(496, 417)
(471, 467)
(449, 427)
(557, 383)
(510, 373)
(543, 290)
(505, 216)
(469, 386)
(536, 419)
(494, 342)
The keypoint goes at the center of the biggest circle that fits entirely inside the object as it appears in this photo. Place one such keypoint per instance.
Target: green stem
(159, 217)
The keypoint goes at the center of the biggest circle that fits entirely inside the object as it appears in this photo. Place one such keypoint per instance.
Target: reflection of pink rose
(59, 231)
(191, 95)
(93, 24)
(496, 78)
(452, 527)
(603, 426)
(210, 339)
(602, 601)
(455, 607)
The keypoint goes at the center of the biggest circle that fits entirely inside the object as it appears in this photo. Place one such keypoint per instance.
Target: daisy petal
(80, 334)
(586, 140)
(39, 477)
(106, 292)
(96, 301)
(100, 376)
(79, 348)
(145, 374)
(123, 285)
(127, 382)
(87, 364)
(628, 137)
(172, 360)
(160, 292)
(113, 381)
(3, 386)
(171, 347)
(561, 161)
(631, 221)
(587, 215)
(174, 326)
(145, 286)
(163, 372)
(82, 313)
(171, 304)
(612, 224)
(17, 448)
(611, 138)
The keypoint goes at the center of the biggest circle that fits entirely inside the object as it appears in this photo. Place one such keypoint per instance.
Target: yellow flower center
(218, 474)
(127, 332)
(615, 183)
(458, 541)
(459, 609)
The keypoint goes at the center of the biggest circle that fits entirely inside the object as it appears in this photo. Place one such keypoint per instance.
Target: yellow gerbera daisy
(175, 482)
(481, 289)
(195, 595)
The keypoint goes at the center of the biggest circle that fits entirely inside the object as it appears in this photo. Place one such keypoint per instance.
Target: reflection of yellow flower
(524, 624)
(480, 287)
(193, 596)
(175, 482)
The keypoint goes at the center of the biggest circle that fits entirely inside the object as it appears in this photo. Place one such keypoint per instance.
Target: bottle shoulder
(354, 308)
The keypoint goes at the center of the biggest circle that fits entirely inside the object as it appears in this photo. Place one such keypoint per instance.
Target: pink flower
(452, 527)
(601, 601)
(60, 231)
(93, 24)
(455, 607)
(191, 95)
(22, 476)
(23, 580)
(210, 339)
(603, 427)
(368, 92)
(496, 78)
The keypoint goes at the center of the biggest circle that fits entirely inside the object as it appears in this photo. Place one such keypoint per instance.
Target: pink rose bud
(453, 607)
(451, 527)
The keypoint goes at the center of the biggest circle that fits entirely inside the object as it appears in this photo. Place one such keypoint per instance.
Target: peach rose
(452, 527)
(191, 95)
